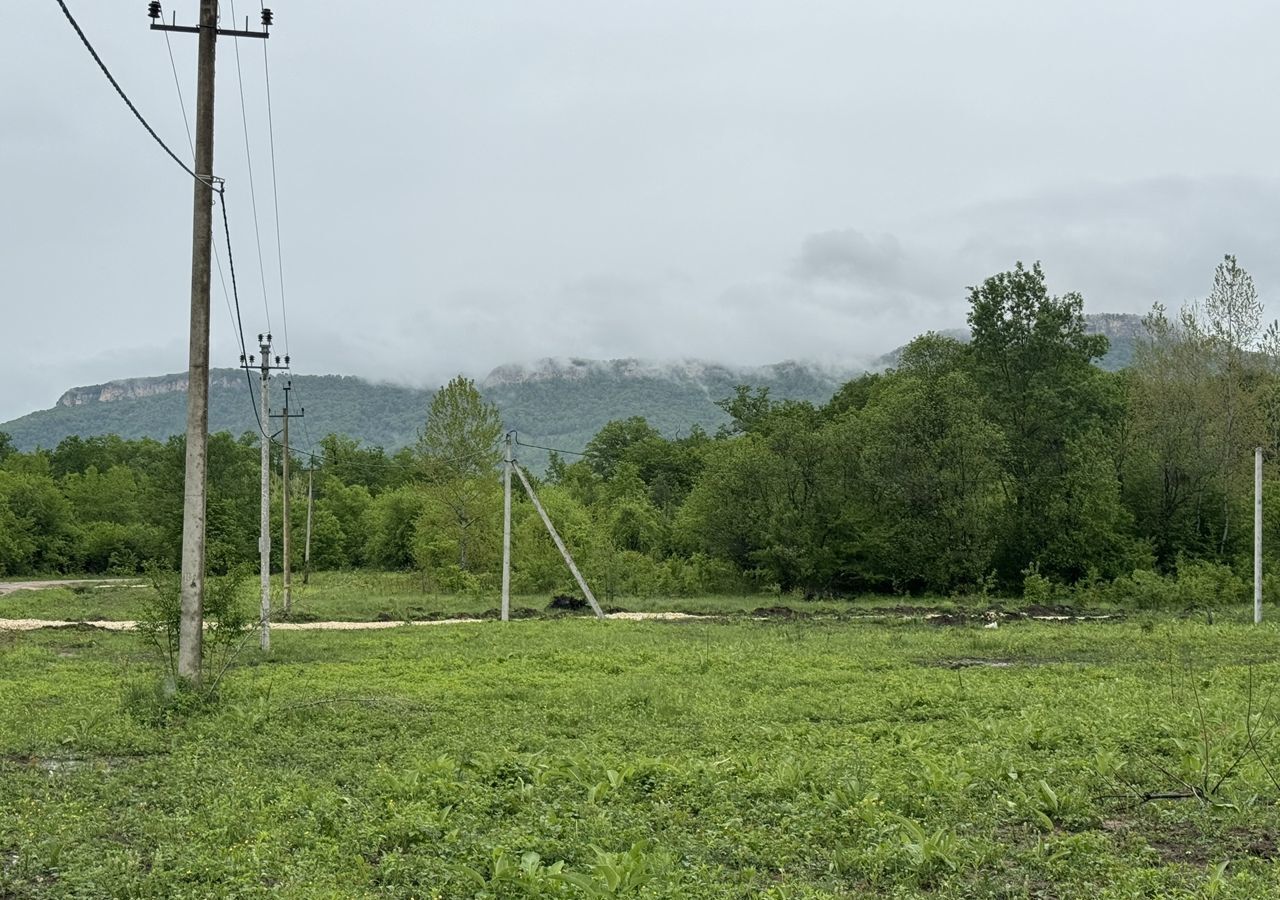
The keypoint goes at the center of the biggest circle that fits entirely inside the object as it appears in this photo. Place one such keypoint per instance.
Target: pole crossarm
(224, 32)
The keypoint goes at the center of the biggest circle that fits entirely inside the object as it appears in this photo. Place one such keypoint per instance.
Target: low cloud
(849, 256)
(841, 296)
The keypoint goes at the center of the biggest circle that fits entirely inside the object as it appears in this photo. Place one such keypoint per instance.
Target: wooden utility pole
(311, 500)
(195, 483)
(285, 548)
(555, 536)
(506, 531)
(1257, 536)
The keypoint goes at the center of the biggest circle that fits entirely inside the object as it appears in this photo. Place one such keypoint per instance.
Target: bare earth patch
(107, 625)
(12, 587)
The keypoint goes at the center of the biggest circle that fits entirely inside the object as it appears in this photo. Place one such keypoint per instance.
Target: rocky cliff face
(135, 388)
(1121, 326)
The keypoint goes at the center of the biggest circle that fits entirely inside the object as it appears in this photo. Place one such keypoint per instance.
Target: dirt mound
(567, 602)
(777, 612)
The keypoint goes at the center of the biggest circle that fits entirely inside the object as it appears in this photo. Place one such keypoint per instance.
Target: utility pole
(555, 536)
(311, 499)
(285, 549)
(506, 531)
(264, 521)
(1257, 536)
(195, 484)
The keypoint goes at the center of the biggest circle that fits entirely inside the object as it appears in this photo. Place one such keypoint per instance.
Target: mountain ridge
(558, 401)
(548, 401)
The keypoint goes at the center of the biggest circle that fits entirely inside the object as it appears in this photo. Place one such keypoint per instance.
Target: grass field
(394, 596)
(574, 758)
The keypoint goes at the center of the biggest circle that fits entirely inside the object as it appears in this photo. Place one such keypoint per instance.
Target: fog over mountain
(563, 402)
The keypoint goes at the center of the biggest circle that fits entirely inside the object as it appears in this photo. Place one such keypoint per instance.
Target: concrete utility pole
(191, 623)
(285, 548)
(264, 510)
(555, 536)
(506, 531)
(264, 518)
(311, 502)
(191, 627)
(1257, 536)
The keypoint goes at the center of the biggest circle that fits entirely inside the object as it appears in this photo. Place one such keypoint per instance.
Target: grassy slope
(731, 760)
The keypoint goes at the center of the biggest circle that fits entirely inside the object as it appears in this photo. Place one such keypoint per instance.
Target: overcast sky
(467, 184)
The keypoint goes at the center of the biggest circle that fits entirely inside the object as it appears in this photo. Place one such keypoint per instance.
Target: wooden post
(555, 536)
(506, 532)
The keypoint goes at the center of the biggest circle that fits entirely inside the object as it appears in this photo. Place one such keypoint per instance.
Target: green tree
(347, 505)
(1202, 394)
(930, 460)
(459, 454)
(1032, 358)
(41, 534)
(780, 501)
(389, 527)
(607, 450)
(461, 435)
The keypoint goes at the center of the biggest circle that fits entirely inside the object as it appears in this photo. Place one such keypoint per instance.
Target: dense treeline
(1005, 461)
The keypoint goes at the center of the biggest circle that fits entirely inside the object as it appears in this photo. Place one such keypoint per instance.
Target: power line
(521, 443)
(186, 124)
(226, 226)
(306, 433)
(253, 193)
(207, 179)
(402, 466)
(275, 196)
(215, 184)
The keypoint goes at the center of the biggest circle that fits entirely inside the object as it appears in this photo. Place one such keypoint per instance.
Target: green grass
(736, 758)
(400, 596)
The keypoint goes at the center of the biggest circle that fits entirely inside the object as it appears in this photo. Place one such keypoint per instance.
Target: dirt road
(33, 624)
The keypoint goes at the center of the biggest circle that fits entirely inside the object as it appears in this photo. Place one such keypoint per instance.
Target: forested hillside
(1008, 461)
(557, 403)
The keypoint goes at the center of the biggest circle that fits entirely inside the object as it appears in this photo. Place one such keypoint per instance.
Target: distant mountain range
(556, 402)
(559, 403)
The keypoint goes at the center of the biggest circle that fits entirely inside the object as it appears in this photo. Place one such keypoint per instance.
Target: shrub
(1036, 589)
(227, 621)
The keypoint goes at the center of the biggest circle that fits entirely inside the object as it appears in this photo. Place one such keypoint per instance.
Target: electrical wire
(275, 197)
(206, 179)
(226, 227)
(520, 443)
(217, 186)
(253, 193)
(394, 465)
(186, 124)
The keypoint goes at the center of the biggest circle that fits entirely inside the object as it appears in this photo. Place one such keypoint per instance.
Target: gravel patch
(34, 624)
